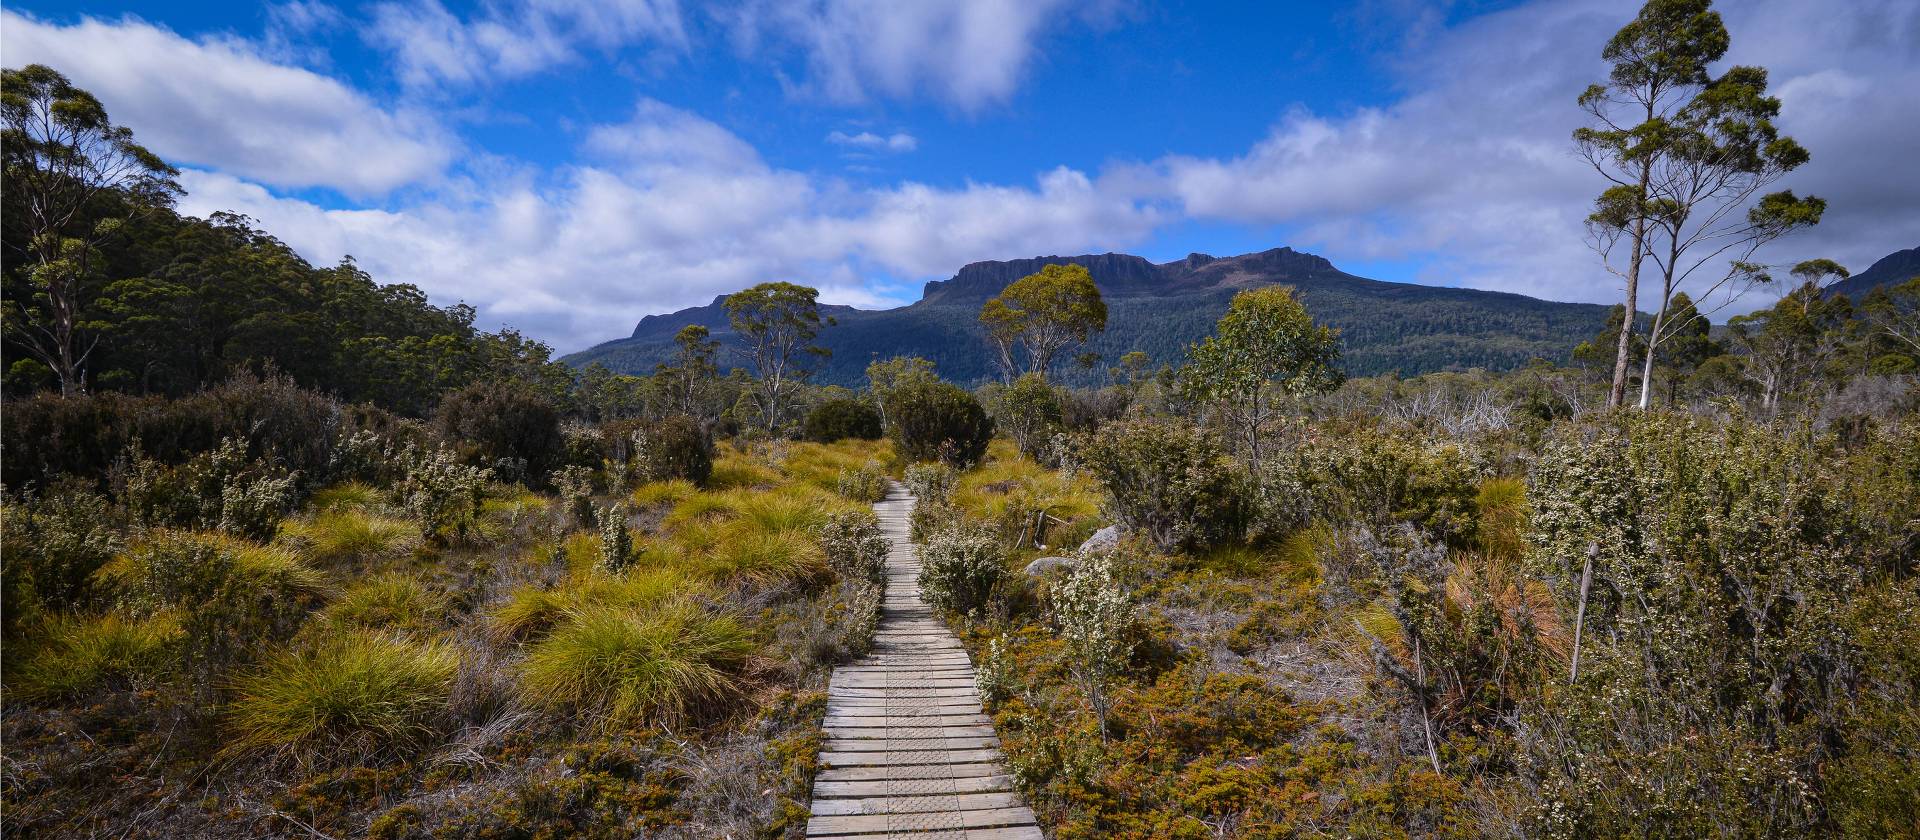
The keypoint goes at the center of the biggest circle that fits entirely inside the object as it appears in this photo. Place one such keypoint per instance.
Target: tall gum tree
(1723, 151)
(1042, 313)
(74, 180)
(1659, 63)
(777, 322)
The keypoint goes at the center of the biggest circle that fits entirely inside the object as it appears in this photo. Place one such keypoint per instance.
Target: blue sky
(570, 165)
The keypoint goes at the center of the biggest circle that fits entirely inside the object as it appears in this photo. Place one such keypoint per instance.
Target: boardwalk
(909, 752)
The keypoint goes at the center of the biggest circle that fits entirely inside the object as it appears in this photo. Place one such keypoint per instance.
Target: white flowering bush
(931, 482)
(443, 494)
(1092, 614)
(996, 675)
(855, 547)
(962, 567)
(575, 486)
(616, 542)
(866, 484)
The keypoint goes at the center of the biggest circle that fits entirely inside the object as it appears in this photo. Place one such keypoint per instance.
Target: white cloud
(1472, 170)
(676, 211)
(867, 140)
(432, 45)
(968, 53)
(219, 103)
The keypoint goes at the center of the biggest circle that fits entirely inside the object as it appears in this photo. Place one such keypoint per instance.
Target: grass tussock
(663, 493)
(348, 495)
(396, 602)
(672, 662)
(349, 535)
(72, 655)
(356, 694)
(533, 611)
(733, 469)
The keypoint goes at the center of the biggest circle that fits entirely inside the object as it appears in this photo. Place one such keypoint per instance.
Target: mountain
(1160, 309)
(1892, 268)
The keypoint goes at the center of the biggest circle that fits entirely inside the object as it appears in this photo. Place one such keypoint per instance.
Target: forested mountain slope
(1159, 309)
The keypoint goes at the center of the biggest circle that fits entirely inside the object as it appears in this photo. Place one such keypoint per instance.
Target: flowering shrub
(443, 494)
(866, 484)
(961, 568)
(616, 542)
(1092, 614)
(855, 547)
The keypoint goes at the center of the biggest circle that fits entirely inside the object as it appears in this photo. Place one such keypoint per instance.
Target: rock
(1105, 539)
(1044, 566)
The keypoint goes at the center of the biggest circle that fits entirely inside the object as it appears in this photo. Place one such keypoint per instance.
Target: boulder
(1044, 566)
(1105, 539)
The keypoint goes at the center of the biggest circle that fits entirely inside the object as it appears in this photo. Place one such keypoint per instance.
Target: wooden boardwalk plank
(909, 752)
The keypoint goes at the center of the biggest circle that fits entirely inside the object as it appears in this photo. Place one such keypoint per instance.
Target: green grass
(72, 655)
(352, 695)
(351, 495)
(669, 663)
(389, 602)
(344, 535)
(532, 611)
(741, 551)
(671, 492)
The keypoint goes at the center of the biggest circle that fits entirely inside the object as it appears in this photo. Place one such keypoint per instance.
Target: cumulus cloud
(869, 141)
(1472, 173)
(673, 211)
(432, 45)
(968, 53)
(220, 103)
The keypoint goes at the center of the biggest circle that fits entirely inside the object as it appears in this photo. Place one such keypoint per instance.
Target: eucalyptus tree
(1264, 349)
(688, 379)
(76, 179)
(1724, 150)
(1659, 63)
(778, 323)
(1042, 313)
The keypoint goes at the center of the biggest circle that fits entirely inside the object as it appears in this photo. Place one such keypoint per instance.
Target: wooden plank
(899, 787)
(861, 759)
(828, 826)
(896, 744)
(915, 804)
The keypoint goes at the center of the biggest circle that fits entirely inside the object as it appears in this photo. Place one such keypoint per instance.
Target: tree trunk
(1618, 394)
(1646, 368)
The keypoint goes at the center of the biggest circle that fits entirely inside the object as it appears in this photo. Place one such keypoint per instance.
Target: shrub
(668, 663)
(1093, 616)
(1029, 412)
(961, 569)
(672, 448)
(937, 421)
(53, 546)
(503, 426)
(862, 617)
(1386, 477)
(616, 542)
(353, 696)
(1169, 481)
(83, 436)
(855, 547)
(252, 509)
(839, 419)
(443, 494)
(931, 482)
(73, 655)
(866, 484)
(221, 488)
(230, 597)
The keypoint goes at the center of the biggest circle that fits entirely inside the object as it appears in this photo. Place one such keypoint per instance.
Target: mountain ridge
(1159, 308)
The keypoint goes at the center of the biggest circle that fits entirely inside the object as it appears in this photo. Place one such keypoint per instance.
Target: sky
(568, 166)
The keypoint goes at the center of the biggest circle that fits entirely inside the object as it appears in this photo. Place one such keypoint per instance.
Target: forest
(292, 553)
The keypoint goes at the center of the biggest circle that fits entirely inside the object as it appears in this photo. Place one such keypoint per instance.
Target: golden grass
(531, 611)
(666, 663)
(352, 694)
(350, 495)
(389, 602)
(73, 654)
(350, 534)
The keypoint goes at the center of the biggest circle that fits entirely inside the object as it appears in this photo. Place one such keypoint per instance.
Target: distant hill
(1892, 268)
(1160, 309)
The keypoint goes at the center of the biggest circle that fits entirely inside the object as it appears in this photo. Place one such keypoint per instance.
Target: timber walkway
(909, 752)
